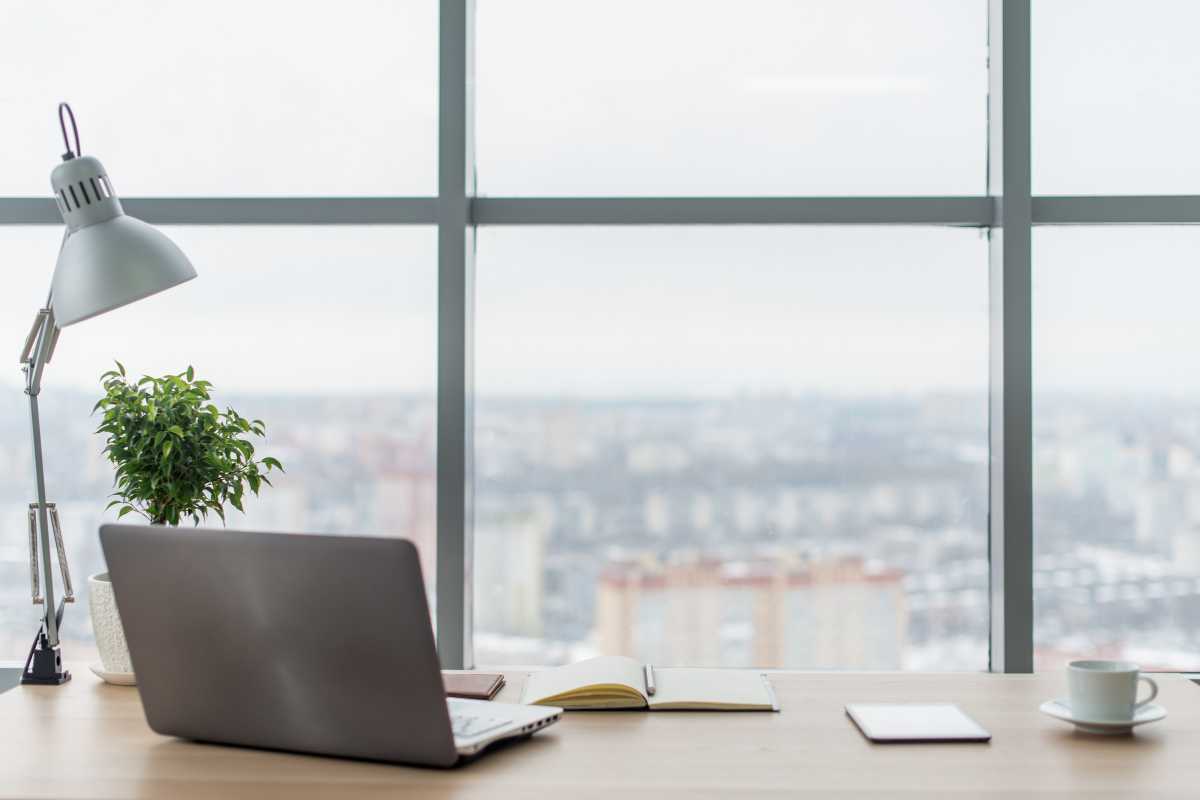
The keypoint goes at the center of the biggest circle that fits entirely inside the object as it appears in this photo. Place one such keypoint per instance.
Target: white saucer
(1147, 713)
(116, 678)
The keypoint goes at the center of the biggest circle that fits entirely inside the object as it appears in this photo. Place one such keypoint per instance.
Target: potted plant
(177, 457)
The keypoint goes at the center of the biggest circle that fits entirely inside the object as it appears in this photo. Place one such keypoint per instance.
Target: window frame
(1007, 212)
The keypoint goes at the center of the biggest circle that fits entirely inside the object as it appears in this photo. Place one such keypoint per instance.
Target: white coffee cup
(1106, 690)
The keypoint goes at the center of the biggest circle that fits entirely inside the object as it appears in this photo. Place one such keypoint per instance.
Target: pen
(649, 670)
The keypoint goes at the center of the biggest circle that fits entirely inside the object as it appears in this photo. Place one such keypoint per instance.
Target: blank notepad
(939, 722)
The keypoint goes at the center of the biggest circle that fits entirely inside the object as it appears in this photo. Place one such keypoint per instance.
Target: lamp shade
(108, 259)
(105, 266)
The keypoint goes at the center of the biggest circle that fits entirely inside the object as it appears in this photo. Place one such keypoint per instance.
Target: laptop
(313, 644)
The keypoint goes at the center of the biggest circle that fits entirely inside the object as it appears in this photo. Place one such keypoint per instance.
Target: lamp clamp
(43, 666)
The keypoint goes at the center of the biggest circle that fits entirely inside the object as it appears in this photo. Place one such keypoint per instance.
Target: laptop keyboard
(468, 726)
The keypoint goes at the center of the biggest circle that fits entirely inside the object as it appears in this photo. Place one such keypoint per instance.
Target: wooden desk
(103, 748)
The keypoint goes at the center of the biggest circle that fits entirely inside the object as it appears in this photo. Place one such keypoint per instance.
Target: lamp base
(44, 665)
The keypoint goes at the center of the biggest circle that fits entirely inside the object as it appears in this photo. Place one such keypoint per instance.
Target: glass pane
(326, 333)
(732, 446)
(772, 97)
(1113, 107)
(1117, 445)
(256, 99)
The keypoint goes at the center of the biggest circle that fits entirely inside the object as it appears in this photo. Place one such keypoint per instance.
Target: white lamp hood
(109, 259)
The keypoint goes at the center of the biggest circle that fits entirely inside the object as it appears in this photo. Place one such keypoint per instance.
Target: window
(735, 352)
(1117, 476)
(765, 98)
(226, 97)
(326, 333)
(1112, 97)
(732, 446)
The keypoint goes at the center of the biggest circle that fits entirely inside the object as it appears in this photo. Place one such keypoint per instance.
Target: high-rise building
(510, 558)
(765, 612)
(404, 505)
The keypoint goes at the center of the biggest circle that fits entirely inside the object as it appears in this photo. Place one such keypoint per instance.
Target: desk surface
(103, 748)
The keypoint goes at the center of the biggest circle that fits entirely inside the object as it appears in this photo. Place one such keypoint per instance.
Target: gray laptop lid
(320, 644)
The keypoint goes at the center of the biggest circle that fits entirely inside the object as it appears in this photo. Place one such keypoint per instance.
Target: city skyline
(568, 491)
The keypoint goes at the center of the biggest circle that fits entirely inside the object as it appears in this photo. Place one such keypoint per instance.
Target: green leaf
(176, 455)
(124, 510)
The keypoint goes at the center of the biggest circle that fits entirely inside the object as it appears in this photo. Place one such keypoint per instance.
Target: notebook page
(681, 687)
(600, 671)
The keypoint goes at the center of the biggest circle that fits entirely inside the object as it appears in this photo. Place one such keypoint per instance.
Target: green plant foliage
(177, 455)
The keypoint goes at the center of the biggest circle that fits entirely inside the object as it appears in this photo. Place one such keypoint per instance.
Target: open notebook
(611, 682)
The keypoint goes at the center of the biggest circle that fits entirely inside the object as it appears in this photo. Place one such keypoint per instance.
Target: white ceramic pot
(106, 623)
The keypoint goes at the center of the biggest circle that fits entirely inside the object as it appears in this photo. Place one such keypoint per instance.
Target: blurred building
(510, 557)
(404, 505)
(808, 615)
(277, 508)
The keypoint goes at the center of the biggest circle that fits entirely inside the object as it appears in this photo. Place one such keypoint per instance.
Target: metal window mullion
(969, 211)
(964, 211)
(1117, 210)
(954, 211)
(1010, 525)
(242, 210)
(456, 297)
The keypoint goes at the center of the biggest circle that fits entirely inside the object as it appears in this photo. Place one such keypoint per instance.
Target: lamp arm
(38, 350)
(31, 339)
(44, 334)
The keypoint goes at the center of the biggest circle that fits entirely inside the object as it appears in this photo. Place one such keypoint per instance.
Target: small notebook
(613, 682)
(938, 722)
(473, 685)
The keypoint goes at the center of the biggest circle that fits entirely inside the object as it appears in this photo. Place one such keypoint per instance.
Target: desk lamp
(107, 260)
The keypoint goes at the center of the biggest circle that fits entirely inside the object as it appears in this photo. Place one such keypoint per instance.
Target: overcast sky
(622, 97)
